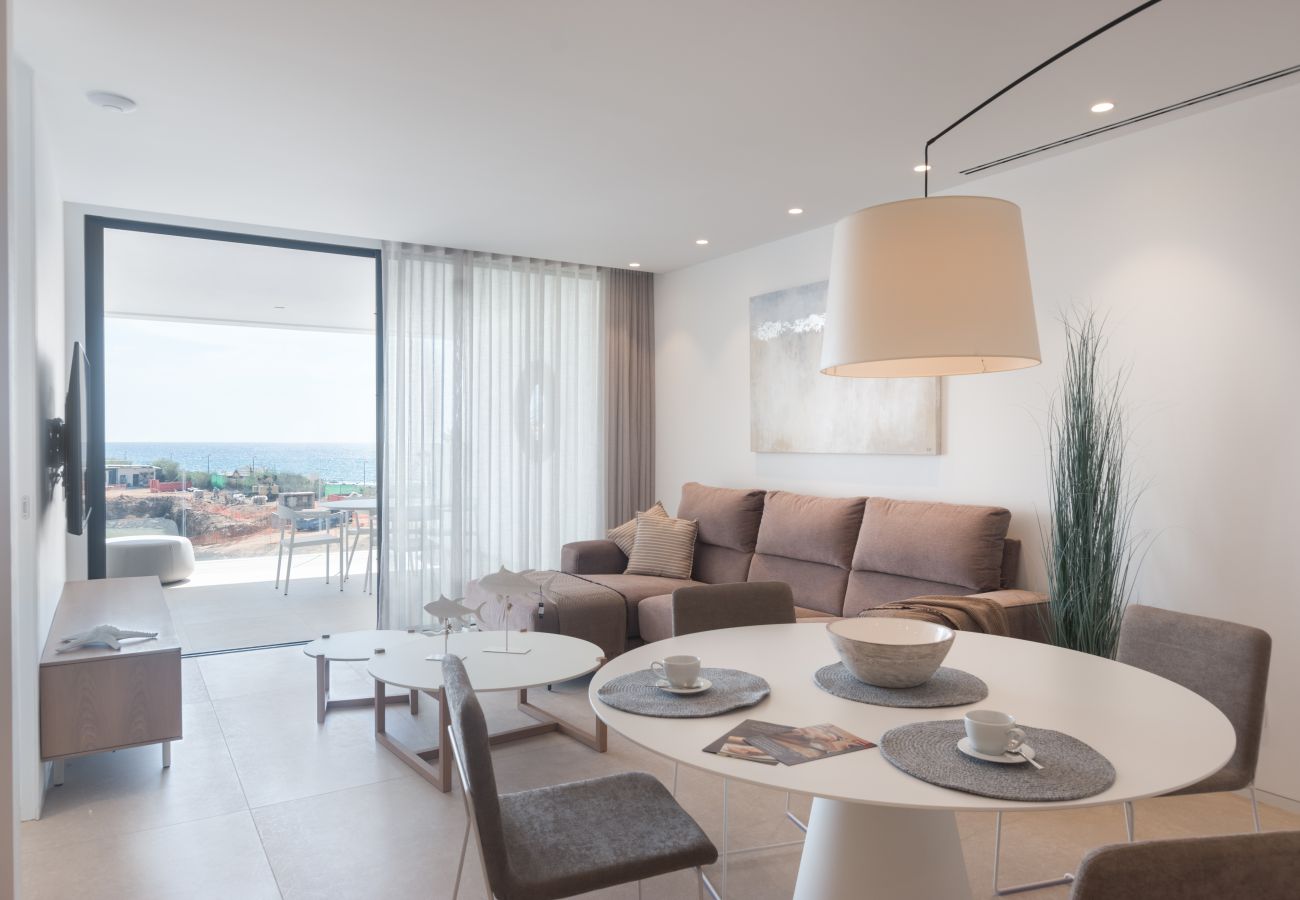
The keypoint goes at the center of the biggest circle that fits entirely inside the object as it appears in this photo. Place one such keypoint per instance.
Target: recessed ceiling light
(110, 101)
(702, 241)
(1103, 106)
(277, 307)
(921, 168)
(634, 265)
(795, 211)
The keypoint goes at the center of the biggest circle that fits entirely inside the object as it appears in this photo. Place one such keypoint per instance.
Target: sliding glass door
(234, 425)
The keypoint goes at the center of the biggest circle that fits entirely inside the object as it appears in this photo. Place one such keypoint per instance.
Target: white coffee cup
(992, 732)
(679, 671)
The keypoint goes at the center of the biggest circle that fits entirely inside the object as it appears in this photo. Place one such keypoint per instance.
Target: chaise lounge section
(840, 556)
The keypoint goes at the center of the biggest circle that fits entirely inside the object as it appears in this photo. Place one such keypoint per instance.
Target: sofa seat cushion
(728, 521)
(803, 616)
(655, 617)
(871, 589)
(1023, 608)
(941, 543)
(1027, 615)
(636, 588)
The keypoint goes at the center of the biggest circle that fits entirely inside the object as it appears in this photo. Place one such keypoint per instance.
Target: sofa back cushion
(808, 543)
(728, 530)
(940, 543)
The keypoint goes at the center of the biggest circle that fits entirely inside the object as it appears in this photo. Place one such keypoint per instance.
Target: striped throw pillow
(663, 546)
(625, 535)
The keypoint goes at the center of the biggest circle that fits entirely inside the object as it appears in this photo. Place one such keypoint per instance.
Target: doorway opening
(234, 426)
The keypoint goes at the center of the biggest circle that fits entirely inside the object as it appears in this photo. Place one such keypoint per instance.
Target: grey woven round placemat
(928, 751)
(635, 692)
(948, 687)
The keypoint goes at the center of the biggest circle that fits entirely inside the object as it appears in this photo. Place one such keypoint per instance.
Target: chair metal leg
(699, 878)
(288, 569)
(1129, 816)
(1067, 878)
(638, 890)
(369, 585)
(798, 823)
(1254, 806)
(726, 839)
(352, 551)
(278, 557)
(674, 779)
(460, 866)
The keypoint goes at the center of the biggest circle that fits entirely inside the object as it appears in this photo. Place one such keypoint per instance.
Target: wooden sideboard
(96, 699)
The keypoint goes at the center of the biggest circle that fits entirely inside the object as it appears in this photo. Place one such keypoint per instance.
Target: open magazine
(801, 745)
(735, 743)
(769, 743)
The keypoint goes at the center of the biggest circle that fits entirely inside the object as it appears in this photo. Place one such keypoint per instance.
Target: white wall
(39, 362)
(8, 612)
(1185, 235)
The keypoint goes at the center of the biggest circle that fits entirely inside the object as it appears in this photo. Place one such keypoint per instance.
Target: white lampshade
(932, 286)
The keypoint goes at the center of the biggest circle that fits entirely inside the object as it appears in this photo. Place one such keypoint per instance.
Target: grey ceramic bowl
(891, 653)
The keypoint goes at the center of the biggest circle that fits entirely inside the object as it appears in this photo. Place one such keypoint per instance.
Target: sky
(190, 382)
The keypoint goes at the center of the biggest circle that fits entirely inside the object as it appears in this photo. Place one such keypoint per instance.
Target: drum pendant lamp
(934, 285)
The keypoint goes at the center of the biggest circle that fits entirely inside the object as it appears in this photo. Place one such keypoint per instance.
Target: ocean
(354, 463)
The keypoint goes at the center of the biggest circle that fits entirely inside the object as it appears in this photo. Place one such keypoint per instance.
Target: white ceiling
(157, 276)
(589, 130)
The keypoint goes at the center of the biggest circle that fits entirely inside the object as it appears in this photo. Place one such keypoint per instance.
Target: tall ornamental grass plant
(1091, 551)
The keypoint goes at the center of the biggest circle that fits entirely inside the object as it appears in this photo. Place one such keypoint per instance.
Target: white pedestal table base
(857, 850)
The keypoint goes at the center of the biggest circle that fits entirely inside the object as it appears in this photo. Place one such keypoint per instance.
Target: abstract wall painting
(796, 409)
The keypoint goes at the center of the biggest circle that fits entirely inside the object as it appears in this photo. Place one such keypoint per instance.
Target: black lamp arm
(1030, 74)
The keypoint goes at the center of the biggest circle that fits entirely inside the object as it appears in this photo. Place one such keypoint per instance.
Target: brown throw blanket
(958, 613)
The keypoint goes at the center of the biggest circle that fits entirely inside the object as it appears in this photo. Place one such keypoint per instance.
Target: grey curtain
(629, 393)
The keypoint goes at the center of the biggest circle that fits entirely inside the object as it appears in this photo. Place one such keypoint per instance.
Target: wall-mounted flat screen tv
(75, 434)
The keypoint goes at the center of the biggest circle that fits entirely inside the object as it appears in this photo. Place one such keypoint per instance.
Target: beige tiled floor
(233, 603)
(261, 802)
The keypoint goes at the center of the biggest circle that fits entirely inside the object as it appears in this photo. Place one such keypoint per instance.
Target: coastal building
(129, 475)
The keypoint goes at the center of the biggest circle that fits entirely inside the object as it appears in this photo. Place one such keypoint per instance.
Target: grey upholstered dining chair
(568, 839)
(1225, 663)
(707, 607)
(1259, 866)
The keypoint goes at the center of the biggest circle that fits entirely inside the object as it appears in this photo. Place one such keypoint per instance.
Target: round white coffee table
(547, 659)
(355, 646)
(877, 832)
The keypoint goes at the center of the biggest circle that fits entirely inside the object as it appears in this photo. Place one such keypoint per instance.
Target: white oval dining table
(875, 831)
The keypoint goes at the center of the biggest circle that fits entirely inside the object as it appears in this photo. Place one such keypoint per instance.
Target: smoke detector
(110, 101)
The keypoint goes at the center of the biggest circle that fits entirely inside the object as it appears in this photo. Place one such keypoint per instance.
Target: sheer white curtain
(493, 418)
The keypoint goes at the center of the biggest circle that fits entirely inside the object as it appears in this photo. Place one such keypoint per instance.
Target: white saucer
(1007, 759)
(700, 687)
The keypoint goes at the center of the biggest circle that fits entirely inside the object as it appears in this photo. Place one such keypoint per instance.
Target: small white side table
(357, 646)
(551, 658)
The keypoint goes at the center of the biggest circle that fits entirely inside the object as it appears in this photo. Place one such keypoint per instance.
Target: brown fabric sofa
(840, 556)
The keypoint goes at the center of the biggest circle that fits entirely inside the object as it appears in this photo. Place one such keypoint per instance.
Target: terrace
(231, 600)
(233, 603)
